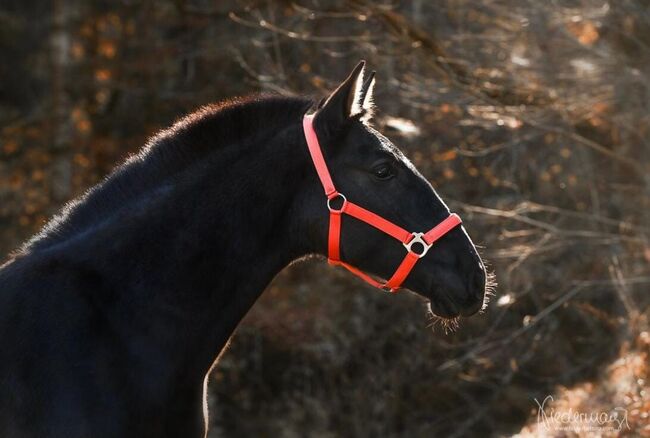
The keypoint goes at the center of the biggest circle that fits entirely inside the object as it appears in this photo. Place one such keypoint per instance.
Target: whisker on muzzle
(490, 287)
(448, 325)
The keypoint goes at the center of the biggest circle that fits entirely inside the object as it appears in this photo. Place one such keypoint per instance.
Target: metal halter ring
(329, 203)
(417, 238)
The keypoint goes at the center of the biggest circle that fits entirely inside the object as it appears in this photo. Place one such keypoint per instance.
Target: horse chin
(442, 311)
(439, 303)
(449, 323)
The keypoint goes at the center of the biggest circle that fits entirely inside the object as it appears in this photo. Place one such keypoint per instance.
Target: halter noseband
(407, 239)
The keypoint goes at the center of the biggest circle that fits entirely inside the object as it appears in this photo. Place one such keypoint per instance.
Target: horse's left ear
(346, 101)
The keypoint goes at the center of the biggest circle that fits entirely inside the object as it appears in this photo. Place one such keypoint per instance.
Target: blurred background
(530, 117)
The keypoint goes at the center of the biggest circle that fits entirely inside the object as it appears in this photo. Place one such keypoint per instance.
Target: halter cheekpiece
(416, 244)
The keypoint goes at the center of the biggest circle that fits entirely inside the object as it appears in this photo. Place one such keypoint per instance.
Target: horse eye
(383, 171)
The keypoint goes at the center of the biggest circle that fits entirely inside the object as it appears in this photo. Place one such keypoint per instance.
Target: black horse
(112, 316)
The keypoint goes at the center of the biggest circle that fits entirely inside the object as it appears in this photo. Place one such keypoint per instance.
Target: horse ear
(367, 98)
(346, 100)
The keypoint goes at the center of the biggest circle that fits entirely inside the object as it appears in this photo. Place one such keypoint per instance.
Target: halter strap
(406, 238)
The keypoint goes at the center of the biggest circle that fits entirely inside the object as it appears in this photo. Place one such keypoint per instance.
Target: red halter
(406, 238)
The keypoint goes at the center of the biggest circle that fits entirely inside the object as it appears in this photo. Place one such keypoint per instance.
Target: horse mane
(188, 141)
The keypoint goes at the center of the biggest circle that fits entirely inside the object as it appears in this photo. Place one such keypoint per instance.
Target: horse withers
(112, 316)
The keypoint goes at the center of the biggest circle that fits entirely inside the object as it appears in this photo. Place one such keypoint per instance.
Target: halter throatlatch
(416, 244)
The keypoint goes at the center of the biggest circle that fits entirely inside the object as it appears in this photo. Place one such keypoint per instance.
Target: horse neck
(182, 266)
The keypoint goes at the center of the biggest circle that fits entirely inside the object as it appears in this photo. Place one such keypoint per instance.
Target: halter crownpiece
(408, 239)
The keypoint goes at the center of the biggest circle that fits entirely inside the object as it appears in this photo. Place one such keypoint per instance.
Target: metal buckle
(337, 195)
(417, 238)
